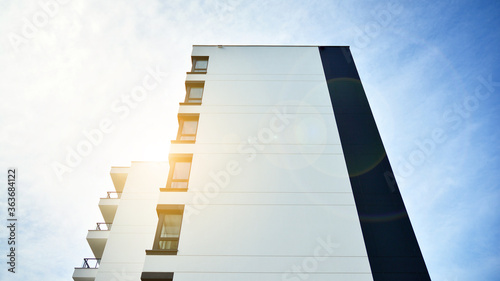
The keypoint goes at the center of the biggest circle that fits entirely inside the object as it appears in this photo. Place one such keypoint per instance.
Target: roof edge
(222, 45)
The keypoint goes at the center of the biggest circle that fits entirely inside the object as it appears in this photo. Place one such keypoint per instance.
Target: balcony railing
(103, 226)
(91, 263)
(114, 195)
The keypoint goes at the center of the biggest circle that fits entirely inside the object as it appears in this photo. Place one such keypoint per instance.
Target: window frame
(182, 118)
(173, 159)
(193, 101)
(194, 60)
(162, 211)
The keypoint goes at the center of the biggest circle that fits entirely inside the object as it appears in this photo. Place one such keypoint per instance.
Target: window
(194, 92)
(157, 276)
(188, 125)
(168, 230)
(180, 176)
(180, 168)
(200, 64)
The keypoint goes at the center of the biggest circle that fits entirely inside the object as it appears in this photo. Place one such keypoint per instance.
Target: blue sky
(425, 67)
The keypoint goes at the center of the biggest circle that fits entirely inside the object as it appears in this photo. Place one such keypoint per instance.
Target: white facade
(132, 218)
(268, 196)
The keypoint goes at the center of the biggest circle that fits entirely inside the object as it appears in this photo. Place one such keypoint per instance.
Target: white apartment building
(278, 173)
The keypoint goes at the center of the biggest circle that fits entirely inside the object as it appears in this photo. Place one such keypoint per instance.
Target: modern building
(278, 172)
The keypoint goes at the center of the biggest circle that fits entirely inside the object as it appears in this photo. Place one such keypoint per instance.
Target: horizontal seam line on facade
(259, 113)
(170, 193)
(215, 204)
(264, 144)
(266, 80)
(215, 72)
(269, 272)
(287, 105)
(271, 256)
(264, 153)
(267, 74)
(258, 75)
(245, 192)
(246, 272)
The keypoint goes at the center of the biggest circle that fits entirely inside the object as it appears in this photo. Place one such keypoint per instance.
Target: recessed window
(188, 125)
(180, 176)
(180, 168)
(200, 64)
(168, 230)
(194, 92)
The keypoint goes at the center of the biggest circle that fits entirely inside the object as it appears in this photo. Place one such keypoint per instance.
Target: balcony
(119, 176)
(98, 237)
(88, 271)
(109, 205)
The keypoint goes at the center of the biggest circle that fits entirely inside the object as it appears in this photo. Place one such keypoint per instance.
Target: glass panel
(195, 92)
(201, 65)
(179, 184)
(188, 138)
(169, 245)
(171, 226)
(189, 127)
(181, 170)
